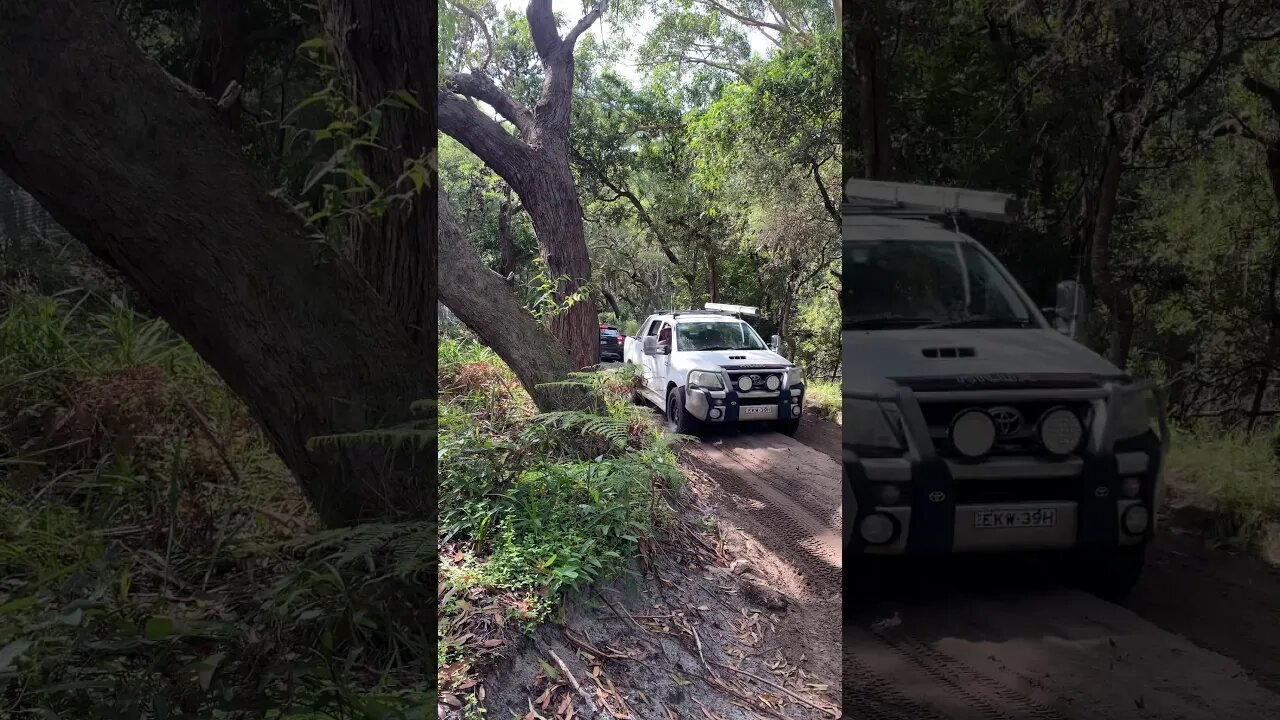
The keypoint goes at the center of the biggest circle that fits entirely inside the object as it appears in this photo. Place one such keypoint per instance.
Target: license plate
(1029, 518)
(756, 410)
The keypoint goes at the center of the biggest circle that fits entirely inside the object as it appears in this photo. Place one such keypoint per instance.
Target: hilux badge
(993, 379)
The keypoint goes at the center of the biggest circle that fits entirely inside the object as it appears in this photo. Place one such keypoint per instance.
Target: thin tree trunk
(481, 299)
(507, 261)
(385, 47)
(138, 167)
(220, 47)
(873, 92)
(1112, 293)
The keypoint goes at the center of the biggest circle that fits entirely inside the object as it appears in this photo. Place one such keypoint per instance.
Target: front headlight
(1133, 412)
(795, 376)
(708, 379)
(873, 428)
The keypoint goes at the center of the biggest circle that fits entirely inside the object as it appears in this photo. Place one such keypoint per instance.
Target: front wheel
(1110, 574)
(787, 427)
(678, 418)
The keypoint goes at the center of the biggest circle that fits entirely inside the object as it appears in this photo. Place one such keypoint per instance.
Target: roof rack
(876, 197)
(714, 309)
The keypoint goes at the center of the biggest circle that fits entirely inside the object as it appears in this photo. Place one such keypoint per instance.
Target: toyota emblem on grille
(755, 379)
(937, 496)
(1008, 420)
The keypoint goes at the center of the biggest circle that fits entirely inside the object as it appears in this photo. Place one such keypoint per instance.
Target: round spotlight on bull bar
(972, 433)
(1060, 431)
(1135, 519)
(744, 383)
(773, 383)
(878, 528)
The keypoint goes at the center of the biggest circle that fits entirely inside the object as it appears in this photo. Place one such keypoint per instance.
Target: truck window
(651, 328)
(914, 283)
(695, 336)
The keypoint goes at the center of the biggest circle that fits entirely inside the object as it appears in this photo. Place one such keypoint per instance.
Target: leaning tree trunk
(536, 164)
(385, 47)
(138, 167)
(481, 299)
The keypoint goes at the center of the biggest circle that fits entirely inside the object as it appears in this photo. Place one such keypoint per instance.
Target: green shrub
(1236, 478)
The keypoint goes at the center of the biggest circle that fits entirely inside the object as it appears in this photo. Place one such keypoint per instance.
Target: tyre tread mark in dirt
(802, 495)
(993, 698)
(776, 518)
(868, 696)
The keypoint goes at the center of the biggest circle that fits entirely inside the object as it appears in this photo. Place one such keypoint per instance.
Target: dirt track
(996, 638)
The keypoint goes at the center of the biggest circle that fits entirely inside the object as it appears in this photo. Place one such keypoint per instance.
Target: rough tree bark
(384, 47)
(536, 164)
(138, 167)
(481, 298)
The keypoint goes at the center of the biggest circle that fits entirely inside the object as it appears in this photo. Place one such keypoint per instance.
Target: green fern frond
(413, 436)
(616, 430)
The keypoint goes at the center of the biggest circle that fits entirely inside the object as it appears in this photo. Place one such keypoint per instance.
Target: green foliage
(1236, 478)
(157, 559)
(536, 505)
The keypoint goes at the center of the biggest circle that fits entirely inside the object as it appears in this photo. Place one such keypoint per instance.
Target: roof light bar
(876, 197)
(736, 309)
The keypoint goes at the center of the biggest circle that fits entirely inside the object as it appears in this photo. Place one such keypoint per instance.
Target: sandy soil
(736, 617)
(999, 638)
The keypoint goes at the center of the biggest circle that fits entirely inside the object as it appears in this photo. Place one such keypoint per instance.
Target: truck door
(649, 363)
(662, 361)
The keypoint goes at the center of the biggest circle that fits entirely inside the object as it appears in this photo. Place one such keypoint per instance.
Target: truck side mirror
(775, 342)
(651, 345)
(1072, 307)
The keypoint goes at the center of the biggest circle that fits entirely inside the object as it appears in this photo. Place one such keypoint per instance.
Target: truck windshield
(927, 284)
(717, 335)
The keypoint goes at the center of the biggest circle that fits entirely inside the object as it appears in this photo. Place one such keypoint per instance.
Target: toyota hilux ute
(972, 423)
(710, 367)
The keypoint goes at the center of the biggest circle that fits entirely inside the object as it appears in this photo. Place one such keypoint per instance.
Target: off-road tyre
(678, 418)
(1110, 574)
(787, 427)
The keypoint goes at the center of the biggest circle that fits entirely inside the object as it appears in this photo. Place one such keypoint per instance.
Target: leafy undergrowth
(823, 397)
(156, 559)
(1231, 483)
(533, 505)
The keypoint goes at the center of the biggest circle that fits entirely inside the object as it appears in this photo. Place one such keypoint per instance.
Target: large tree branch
(1265, 91)
(159, 190)
(479, 87)
(542, 26)
(482, 299)
(747, 20)
(504, 153)
(1219, 59)
(816, 167)
(474, 17)
(586, 22)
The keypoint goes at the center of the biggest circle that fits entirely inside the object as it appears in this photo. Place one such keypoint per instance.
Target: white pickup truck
(973, 423)
(710, 367)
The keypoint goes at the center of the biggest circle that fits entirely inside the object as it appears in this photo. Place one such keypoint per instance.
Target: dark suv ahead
(610, 344)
